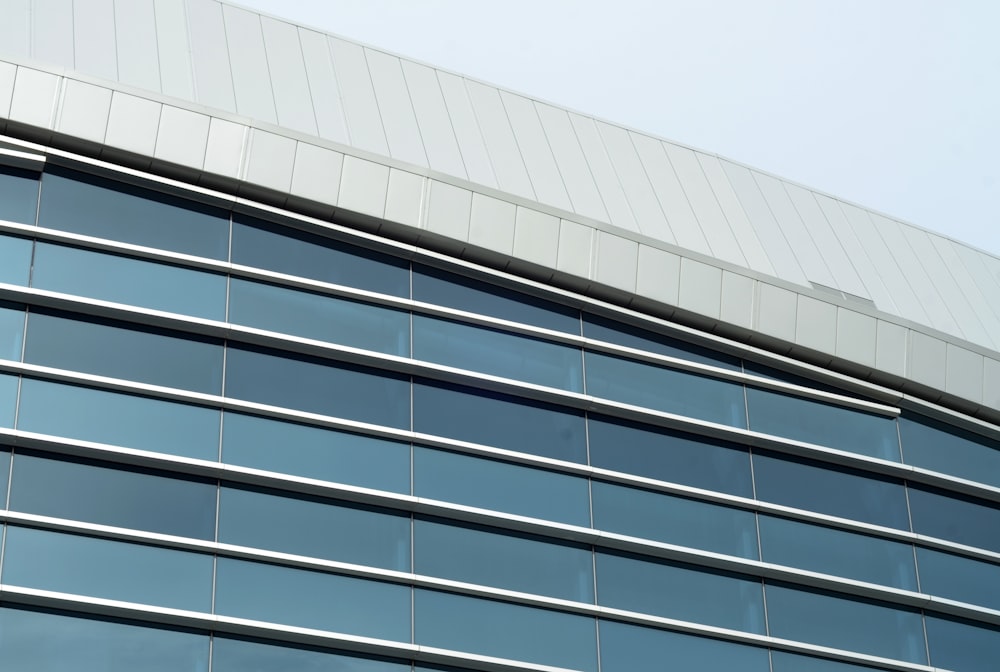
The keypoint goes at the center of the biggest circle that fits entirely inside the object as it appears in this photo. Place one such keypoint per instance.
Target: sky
(892, 104)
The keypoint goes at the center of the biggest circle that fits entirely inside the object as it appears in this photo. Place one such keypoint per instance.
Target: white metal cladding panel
(508, 164)
(52, 32)
(631, 173)
(572, 164)
(15, 29)
(394, 104)
(213, 79)
(364, 123)
(174, 48)
(536, 151)
(669, 198)
(432, 117)
(475, 156)
(323, 87)
(292, 101)
(605, 178)
(94, 45)
(251, 80)
(986, 310)
(138, 61)
(974, 263)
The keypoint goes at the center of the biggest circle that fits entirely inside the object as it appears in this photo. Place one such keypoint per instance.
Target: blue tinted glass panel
(133, 281)
(4, 473)
(674, 520)
(312, 600)
(629, 648)
(315, 452)
(755, 369)
(18, 195)
(241, 655)
(510, 488)
(956, 518)
(958, 578)
(324, 318)
(684, 592)
(15, 259)
(119, 419)
(314, 527)
(499, 420)
(824, 424)
(504, 630)
(503, 559)
(11, 330)
(115, 570)
(497, 353)
(439, 287)
(134, 498)
(950, 450)
(643, 384)
(890, 631)
(96, 207)
(831, 490)
(961, 645)
(669, 455)
(791, 662)
(293, 252)
(603, 329)
(8, 399)
(117, 350)
(318, 386)
(831, 551)
(95, 645)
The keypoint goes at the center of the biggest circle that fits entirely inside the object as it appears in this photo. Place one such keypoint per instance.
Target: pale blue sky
(893, 104)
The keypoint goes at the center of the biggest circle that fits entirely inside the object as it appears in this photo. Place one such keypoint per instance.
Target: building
(312, 357)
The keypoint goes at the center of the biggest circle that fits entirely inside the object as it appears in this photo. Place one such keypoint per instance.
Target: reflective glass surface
(960, 645)
(8, 399)
(497, 353)
(320, 317)
(312, 599)
(18, 195)
(663, 389)
(510, 488)
(498, 420)
(603, 329)
(315, 452)
(956, 518)
(629, 648)
(119, 419)
(829, 489)
(97, 207)
(230, 654)
(114, 570)
(950, 450)
(122, 497)
(782, 661)
(4, 469)
(504, 630)
(958, 578)
(11, 330)
(292, 252)
(314, 527)
(15, 258)
(503, 559)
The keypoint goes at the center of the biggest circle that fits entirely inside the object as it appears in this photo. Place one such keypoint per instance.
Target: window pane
(824, 424)
(318, 386)
(309, 599)
(503, 559)
(831, 551)
(950, 450)
(287, 250)
(674, 520)
(132, 281)
(958, 578)
(497, 353)
(97, 207)
(828, 489)
(879, 629)
(662, 389)
(114, 349)
(314, 527)
(315, 452)
(95, 645)
(4, 472)
(628, 648)
(119, 419)
(242, 655)
(504, 630)
(11, 330)
(791, 662)
(680, 591)
(18, 195)
(604, 329)
(114, 570)
(433, 285)
(15, 256)
(510, 488)
(669, 455)
(324, 318)
(8, 399)
(956, 518)
(499, 420)
(139, 499)
(961, 645)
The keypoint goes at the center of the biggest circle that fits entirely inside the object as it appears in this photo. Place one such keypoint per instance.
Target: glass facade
(213, 465)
